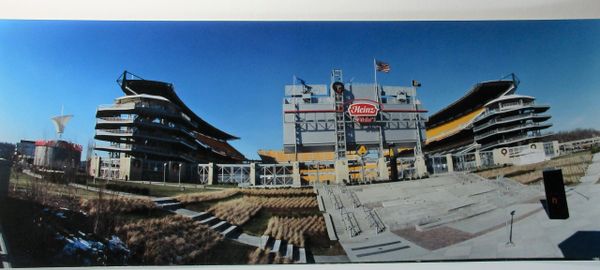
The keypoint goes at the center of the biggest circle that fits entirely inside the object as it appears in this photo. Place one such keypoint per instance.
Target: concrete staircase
(233, 232)
(283, 249)
(223, 227)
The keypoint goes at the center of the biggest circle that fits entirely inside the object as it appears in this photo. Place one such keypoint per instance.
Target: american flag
(382, 66)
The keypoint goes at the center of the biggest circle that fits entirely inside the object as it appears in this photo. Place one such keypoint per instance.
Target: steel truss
(233, 173)
(275, 174)
(203, 174)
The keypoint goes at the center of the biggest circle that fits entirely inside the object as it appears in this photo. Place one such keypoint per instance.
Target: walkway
(537, 236)
(462, 216)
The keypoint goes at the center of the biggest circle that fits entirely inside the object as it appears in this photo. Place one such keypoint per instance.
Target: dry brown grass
(260, 256)
(285, 192)
(170, 240)
(115, 205)
(207, 196)
(237, 211)
(295, 229)
(284, 202)
(573, 166)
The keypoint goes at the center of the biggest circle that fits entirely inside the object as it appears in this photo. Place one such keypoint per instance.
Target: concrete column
(297, 180)
(384, 174)
(125, 168)
(421, 169)
(5, 166)
(95, 166)
(556, 148)
(449, 163)
(501, 156)
(342, 172)
(477, 159)
(212, 177)
(253, 175)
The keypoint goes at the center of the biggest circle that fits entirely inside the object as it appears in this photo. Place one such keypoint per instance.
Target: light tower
(60, 122)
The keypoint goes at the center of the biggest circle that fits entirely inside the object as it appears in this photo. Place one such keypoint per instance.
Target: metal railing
(515, 127)
(355, 201)
(510, 140)
(508, 107)
(503, 120)
(374, 220)
(350, 223)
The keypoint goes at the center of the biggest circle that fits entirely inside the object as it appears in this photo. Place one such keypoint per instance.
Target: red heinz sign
(363, 112)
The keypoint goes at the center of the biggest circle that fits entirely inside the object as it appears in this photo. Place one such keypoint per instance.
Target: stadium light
(165, 174)
(179, 174)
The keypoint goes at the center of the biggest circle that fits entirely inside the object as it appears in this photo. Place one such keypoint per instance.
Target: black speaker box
(556, 199)
(393, 169)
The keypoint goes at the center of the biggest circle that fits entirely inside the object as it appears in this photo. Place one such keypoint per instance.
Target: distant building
(57, 155)
(7, 150)
(25, 151)
(150, 134)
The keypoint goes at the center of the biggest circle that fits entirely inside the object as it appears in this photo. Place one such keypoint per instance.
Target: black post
(393, 164)
(510, 242)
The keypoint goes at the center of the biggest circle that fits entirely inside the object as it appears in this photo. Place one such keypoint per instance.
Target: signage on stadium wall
(363, 111)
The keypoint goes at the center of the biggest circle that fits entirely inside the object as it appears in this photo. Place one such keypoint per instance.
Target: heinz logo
(363, 109)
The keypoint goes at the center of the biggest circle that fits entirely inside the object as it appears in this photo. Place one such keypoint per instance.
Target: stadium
(150, 134)
(490, 125)
(325, 125)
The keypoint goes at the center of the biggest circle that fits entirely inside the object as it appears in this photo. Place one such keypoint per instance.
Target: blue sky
(232, 73)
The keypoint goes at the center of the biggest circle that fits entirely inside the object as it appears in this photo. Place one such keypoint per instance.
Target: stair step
(218, 225)
(164, 200)
(190, 214)
(290, 251)
(302, 255)
(201, 215)
(263, 241)
(207, 220)
(276, 246)
(229, 230)
(170, 205)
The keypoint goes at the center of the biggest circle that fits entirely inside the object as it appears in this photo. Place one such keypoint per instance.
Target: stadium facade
(150, 134)
(324, 126)
(510, 120)
(56, 155)
(490, 125)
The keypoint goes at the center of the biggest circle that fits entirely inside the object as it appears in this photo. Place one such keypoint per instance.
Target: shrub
(129, 189)
(271, 192)
(237, 211)
(170, 240)
(116, 205)
(207, 196)
(295, 229)
(264, 256)
(284, 202)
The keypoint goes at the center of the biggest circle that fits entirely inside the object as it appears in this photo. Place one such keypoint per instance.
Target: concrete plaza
(462, 216)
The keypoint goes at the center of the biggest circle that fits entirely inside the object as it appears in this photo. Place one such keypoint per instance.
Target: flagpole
(378, 101)
(375, 73)
(295, 101)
